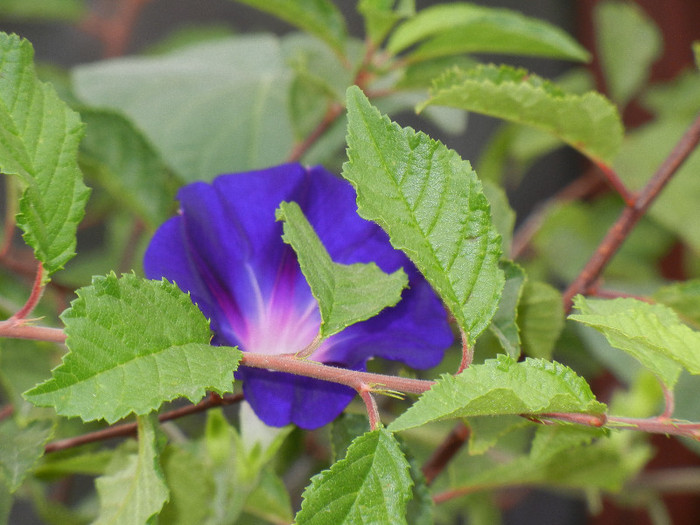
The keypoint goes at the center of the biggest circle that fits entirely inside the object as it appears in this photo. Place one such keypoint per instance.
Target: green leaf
(684, 299)
(485, 431)
(460, 27)
(134, 344)
(20, 448)
(503, 325)
(269, 500)
(628, 43)
(318, 17)
(382, 15)
(502, 214)
(217, 107)
(67, 10)
(589, 123)
(541, 319)
(430, 203)
(39, 143)
(191, 488)
(499, 387)
(371, 485)
(652, 333)
(126, 165)
(134, 488)
(344, 430)
(346, 294)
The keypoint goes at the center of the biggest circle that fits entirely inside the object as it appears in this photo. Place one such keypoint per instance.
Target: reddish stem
(129, 429)
(657, 425)
(20, 330)
(632, 214)
(445, 452)
(669, 402)
(371, 404)
(616, 183)
(334, 111)
(467, 352)
(34, 296)
(6, 411)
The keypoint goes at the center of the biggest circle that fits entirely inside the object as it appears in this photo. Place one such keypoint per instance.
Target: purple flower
(225, 248)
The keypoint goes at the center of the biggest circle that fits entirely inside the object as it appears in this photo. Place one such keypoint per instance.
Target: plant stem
(334, 111)
(445, 452)
(371, 404)
(467, 352)
(657, 425)
(34, 296)
(129, 429)
(632, 214)
(22, 330)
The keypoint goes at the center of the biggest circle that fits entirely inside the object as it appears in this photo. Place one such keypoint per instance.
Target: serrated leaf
(628, 43)
(134, 489)
(134, 344)
(370, 485)
(39, 143)
(20, 448)
(652, 333)
(318, 17)
(541, 319)
(503, 325)
(191, 488)
(231, 97)
(589, 123)
(346, 294)
(462, 27)
(431, 204)
(127, 166)
(499, 387)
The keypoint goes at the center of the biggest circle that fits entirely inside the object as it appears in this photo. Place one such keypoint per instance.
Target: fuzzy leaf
(502, 386)
(652, 333)
(589, 123)
(20, 448)
(431, 204)
(134, 489)
(39, 137)
(371, 485)
(318, 17)
(346, 294)
(134, 344)
(460, 27)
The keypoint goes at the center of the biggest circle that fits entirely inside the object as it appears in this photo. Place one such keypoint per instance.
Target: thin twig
(129, 429)
(371, 405)
(334, 111)
(34, 296)
(467, 352)
(616, 183)
(23, 330)
(632, 214)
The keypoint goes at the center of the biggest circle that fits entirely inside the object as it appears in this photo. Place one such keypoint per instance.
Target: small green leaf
(460, 27)
(381, 16)
(126, 165)
(371, 485)
(39, 137)
(628, 43)
(346, 294)
(500, 387)
(20, 448)
(502, 214)
(503, 325)
(541, 319)
(431, 204)
(134, 344)
(589, 123)
(318, 17)
(134, 487)
(269, 500)
(652, 333)
(191, 488)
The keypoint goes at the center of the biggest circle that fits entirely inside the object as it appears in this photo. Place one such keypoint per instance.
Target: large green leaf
(134, 487)
(628, 43)
(431, 204)
(20, 448)
(126, 165)
(39, 137)
(589, 123)
(346, 294)
(652, 333)
(499, 387)
(371, 485)
(208, 109)
(461, 27)
(318, 17)
(134, 344)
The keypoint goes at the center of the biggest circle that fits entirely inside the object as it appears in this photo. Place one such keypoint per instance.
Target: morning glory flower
(225, 248)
